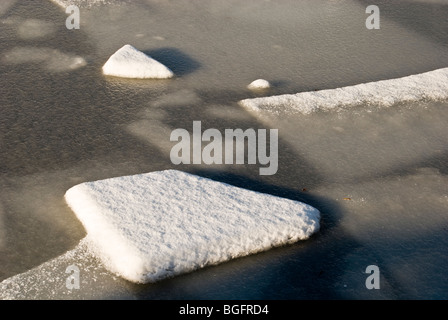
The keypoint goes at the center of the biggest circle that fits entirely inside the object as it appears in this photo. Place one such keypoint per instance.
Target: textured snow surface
(150, 226)
(429, 85)
(128, 62)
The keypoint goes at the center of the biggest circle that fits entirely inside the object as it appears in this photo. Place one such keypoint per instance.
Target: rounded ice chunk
(259, 84)
(128, 62)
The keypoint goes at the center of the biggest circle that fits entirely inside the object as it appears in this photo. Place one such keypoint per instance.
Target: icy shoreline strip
(84, 3)
(431, 85)
(156, 225)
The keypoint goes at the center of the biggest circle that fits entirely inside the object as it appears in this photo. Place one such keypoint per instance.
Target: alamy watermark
(72, 281)
(373, 280)
(227, 148)
(373, 21)
(73, 20)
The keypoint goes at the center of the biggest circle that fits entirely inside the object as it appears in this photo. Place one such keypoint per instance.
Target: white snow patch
(431, 85)
(150, 226)
(259, 84)
(128, 62)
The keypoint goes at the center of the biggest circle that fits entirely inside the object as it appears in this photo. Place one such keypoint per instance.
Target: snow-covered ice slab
(150, 226)
(128, 62)
(431, 85)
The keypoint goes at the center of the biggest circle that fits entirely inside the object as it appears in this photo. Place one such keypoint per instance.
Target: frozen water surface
(377, 175)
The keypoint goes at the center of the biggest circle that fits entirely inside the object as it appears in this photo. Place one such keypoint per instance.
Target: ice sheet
(76, 129)
(53, 279)
(5, 5)
(151, 226)
(429, 85)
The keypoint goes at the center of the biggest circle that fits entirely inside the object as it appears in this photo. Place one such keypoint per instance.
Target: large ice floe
(128, 62)
(151, 226)
(431, 85)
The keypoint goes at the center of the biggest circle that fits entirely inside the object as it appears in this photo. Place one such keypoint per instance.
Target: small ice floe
(432, 85)
(150, 226)
(259, 84)
(128, 62)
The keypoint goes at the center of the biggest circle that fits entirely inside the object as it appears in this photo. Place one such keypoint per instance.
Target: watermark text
(227, 148)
